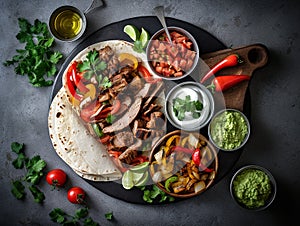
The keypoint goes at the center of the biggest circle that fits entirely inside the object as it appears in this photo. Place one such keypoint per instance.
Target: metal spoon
(159, 12)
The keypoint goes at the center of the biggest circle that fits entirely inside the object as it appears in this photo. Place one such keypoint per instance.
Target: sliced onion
(199, 186)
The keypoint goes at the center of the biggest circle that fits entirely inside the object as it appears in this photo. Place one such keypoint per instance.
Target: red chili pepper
(146, 75)
(182, 149)
(222, 83)
(229, 61)
(196, 157)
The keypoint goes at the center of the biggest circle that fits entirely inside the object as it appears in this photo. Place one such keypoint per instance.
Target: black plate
(207, 43)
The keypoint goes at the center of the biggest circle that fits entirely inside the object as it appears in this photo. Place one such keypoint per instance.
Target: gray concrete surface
(275, 105)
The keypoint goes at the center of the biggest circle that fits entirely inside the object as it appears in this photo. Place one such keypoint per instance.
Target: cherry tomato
(76, 195)
(56, 177)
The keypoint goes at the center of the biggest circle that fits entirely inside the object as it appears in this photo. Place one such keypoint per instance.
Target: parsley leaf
(109, 216)
(17, 147)
(150, 195)
(18, 163)
(91, 66)
(89, 222)
(38, 196)
(58, 215)
(18, 189)
(35, 167)
(81, 215)
(37, 60)
(183, 106)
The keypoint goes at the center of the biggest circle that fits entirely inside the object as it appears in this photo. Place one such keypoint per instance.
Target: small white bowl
(194, 48)
(270, 198)
(197, 91)
(211, 124)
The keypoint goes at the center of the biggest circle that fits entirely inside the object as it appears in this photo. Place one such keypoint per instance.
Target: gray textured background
(274, 141)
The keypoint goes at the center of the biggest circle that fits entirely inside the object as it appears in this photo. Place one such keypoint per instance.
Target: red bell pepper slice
(72, 90)
(77, 78)
(182, 149)
(196, 157)
(89, 110)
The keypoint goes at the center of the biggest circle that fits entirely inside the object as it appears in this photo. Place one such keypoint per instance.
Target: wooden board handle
(254, 56)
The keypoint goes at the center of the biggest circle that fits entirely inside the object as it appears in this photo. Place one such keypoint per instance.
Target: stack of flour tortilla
(75, 145)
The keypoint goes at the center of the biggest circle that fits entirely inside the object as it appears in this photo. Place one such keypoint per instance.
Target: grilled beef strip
(130, 153)
(126, 119)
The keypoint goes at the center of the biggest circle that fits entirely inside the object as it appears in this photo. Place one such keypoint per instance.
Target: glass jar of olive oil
(67, 23)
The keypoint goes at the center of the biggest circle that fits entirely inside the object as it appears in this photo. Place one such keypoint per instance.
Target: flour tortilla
(76, 146)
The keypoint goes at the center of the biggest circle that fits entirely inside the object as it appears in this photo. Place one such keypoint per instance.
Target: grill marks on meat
(139, 120)
(123, 139)
(126, 119)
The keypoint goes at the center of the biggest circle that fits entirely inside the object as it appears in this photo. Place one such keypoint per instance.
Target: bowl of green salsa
(253, 187)
(229, 129)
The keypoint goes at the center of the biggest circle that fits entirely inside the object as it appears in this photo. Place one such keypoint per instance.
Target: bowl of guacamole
(229, 129)
(253, 187)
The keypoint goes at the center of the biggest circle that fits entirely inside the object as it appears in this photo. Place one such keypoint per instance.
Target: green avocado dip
(252, 188)
(229, 129)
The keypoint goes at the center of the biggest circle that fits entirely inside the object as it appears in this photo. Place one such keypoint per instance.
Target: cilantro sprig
(155, 194)
(80, 216)
(93, 65)
(37, 60)
(181, 106)
(34, 172)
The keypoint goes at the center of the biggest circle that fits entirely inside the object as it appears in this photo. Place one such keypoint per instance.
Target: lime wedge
(143, 180)
(127, 180)
(144, 38)
(132, 32)
(140, 168)
(136, 177)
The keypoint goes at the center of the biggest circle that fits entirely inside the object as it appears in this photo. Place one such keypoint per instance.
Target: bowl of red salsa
(172, 60)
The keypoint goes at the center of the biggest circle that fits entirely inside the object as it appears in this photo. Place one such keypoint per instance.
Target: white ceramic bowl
(197, 91)
(194, 48)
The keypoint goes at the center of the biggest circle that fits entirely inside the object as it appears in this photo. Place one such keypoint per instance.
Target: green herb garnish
(81, 215)
(91, 66)
(109, 216)
(182, 106)
(154, 193)
(34, 168)
(37, 60)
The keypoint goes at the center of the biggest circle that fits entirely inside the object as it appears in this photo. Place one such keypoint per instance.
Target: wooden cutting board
(254, 56)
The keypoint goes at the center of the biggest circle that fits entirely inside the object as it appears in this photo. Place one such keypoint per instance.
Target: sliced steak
(157, 120)
(127, 118)
(130, 153)
(153, 95)
(123, 139)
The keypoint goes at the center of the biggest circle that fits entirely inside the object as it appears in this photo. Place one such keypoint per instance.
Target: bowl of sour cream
(189, 106)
